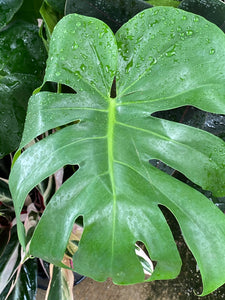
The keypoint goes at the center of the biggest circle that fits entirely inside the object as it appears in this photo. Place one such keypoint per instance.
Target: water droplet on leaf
(189, 32)
(212, 51)
(78, 24)
(196, 19)
(171, 52)
(75, 45)
(83, 67)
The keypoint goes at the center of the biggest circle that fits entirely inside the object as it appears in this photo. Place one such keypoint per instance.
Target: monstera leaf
(161, 59)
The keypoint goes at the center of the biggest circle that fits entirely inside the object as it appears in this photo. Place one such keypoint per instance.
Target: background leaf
(7, 10)
(61, 284)
(173, 3)
(113, 12)
(58, 5)
(26, 284)
(116, 190)
(29, 11)
(9, 261)
(212, 10)
(22, 62)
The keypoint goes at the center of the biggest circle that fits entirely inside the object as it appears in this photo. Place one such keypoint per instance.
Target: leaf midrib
(110, 139)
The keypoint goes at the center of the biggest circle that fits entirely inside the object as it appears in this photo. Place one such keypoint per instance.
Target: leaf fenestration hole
(161, 166)
(69, 170)
(189, 277)
(75, 237)
(66, 89)
(53, 86)
(144, 258)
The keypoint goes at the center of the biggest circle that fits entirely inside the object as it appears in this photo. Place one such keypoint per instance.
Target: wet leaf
(212, 10)
(8, 8)
(113, 12)
(116, 190)
(22, 61)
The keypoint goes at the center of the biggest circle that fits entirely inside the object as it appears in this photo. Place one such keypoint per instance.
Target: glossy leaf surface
(9, 261)
(212, 10)
(26, 284)
(22, 62)
(158, 58)
(8, 8)
(113, 12)
(61, 284)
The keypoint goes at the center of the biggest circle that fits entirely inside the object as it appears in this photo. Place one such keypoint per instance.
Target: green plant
(112, 138)
(96, 114)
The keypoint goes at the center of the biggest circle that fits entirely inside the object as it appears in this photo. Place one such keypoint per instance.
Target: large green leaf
(22, 62)
(159, 58)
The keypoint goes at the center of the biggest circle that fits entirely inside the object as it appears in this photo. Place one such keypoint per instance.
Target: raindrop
(57, 73)
(153, 60)
(130, 37)
(75, 45)
(156, 12)
(129, 66)
(184, 18)
(189, 32)
(78, 24)
(13, 46)
(152, 36)
(83, 67)
(212, 51)
(100, 34)
(196, 19)
(179, 28)
(171, 52)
